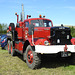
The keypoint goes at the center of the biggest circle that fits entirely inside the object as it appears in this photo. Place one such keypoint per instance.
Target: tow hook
(65, 53)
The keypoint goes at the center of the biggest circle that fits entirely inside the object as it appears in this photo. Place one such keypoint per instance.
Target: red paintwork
(41, 34)
(37, 41)
(11, 48)
(19, 31)
(16, 46)
(19, 46)
(40, 41)
(21, 24)
(9, 28)
(73, 41)
(27, 16)
(65, 48)
(17, 18)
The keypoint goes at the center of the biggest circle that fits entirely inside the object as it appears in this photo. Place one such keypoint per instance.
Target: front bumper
(53, 49)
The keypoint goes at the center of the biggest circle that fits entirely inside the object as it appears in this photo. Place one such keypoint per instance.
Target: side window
(50, 24)
(27, 24)
(47, 23)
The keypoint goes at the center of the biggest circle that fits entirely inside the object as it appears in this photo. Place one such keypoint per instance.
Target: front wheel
(33, 59)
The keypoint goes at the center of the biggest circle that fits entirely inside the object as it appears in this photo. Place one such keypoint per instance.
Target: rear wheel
(13, 52)
(33, 59)
(9, 47)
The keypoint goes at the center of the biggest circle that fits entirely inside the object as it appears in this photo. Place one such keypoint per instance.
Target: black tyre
(24, 56)
(13, 52)
(9, 47)
(33, 59)
(12, 26)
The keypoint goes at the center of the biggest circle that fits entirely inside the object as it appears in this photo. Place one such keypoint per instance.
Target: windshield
(41, 23)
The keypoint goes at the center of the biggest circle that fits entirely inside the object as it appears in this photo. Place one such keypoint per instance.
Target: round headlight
(68, 36)
(58, 40)
(46, 43)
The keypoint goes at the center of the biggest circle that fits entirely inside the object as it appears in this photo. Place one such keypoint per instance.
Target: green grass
(16, 66)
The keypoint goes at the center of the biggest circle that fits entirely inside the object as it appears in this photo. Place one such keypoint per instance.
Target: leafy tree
(72, 31)
(3, 28)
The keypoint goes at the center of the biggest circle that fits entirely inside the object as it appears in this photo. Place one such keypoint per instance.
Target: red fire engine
(35, 36)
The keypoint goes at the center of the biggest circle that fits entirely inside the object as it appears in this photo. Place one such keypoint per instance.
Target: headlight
(58, 40)
(46, 43)
(67, 36)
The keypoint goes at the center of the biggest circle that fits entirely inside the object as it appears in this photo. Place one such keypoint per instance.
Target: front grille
(60, 36)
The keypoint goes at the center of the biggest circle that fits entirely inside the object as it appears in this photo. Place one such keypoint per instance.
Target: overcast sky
(59, 11)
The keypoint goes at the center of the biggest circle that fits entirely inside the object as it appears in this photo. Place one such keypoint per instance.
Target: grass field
(16, 66)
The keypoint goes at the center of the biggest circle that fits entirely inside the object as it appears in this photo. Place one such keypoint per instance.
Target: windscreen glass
(41, 23)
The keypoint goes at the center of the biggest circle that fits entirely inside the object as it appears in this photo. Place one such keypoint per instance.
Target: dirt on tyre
(33, 59)
(9, 47)
(13, 52)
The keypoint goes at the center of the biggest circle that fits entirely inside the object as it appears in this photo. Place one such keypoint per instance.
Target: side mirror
(31, 28)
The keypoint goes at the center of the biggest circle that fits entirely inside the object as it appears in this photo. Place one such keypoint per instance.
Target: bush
(3, 28)
(72, 31)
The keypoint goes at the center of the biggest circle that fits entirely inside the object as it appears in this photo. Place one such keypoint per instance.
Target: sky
(59, 11)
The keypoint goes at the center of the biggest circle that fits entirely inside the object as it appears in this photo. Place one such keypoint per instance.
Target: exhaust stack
(22, 14)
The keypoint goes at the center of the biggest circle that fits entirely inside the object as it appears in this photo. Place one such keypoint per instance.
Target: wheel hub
(30, 57)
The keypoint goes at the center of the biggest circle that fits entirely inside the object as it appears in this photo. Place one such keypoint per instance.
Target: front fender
(37, 41)
(73, 41)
